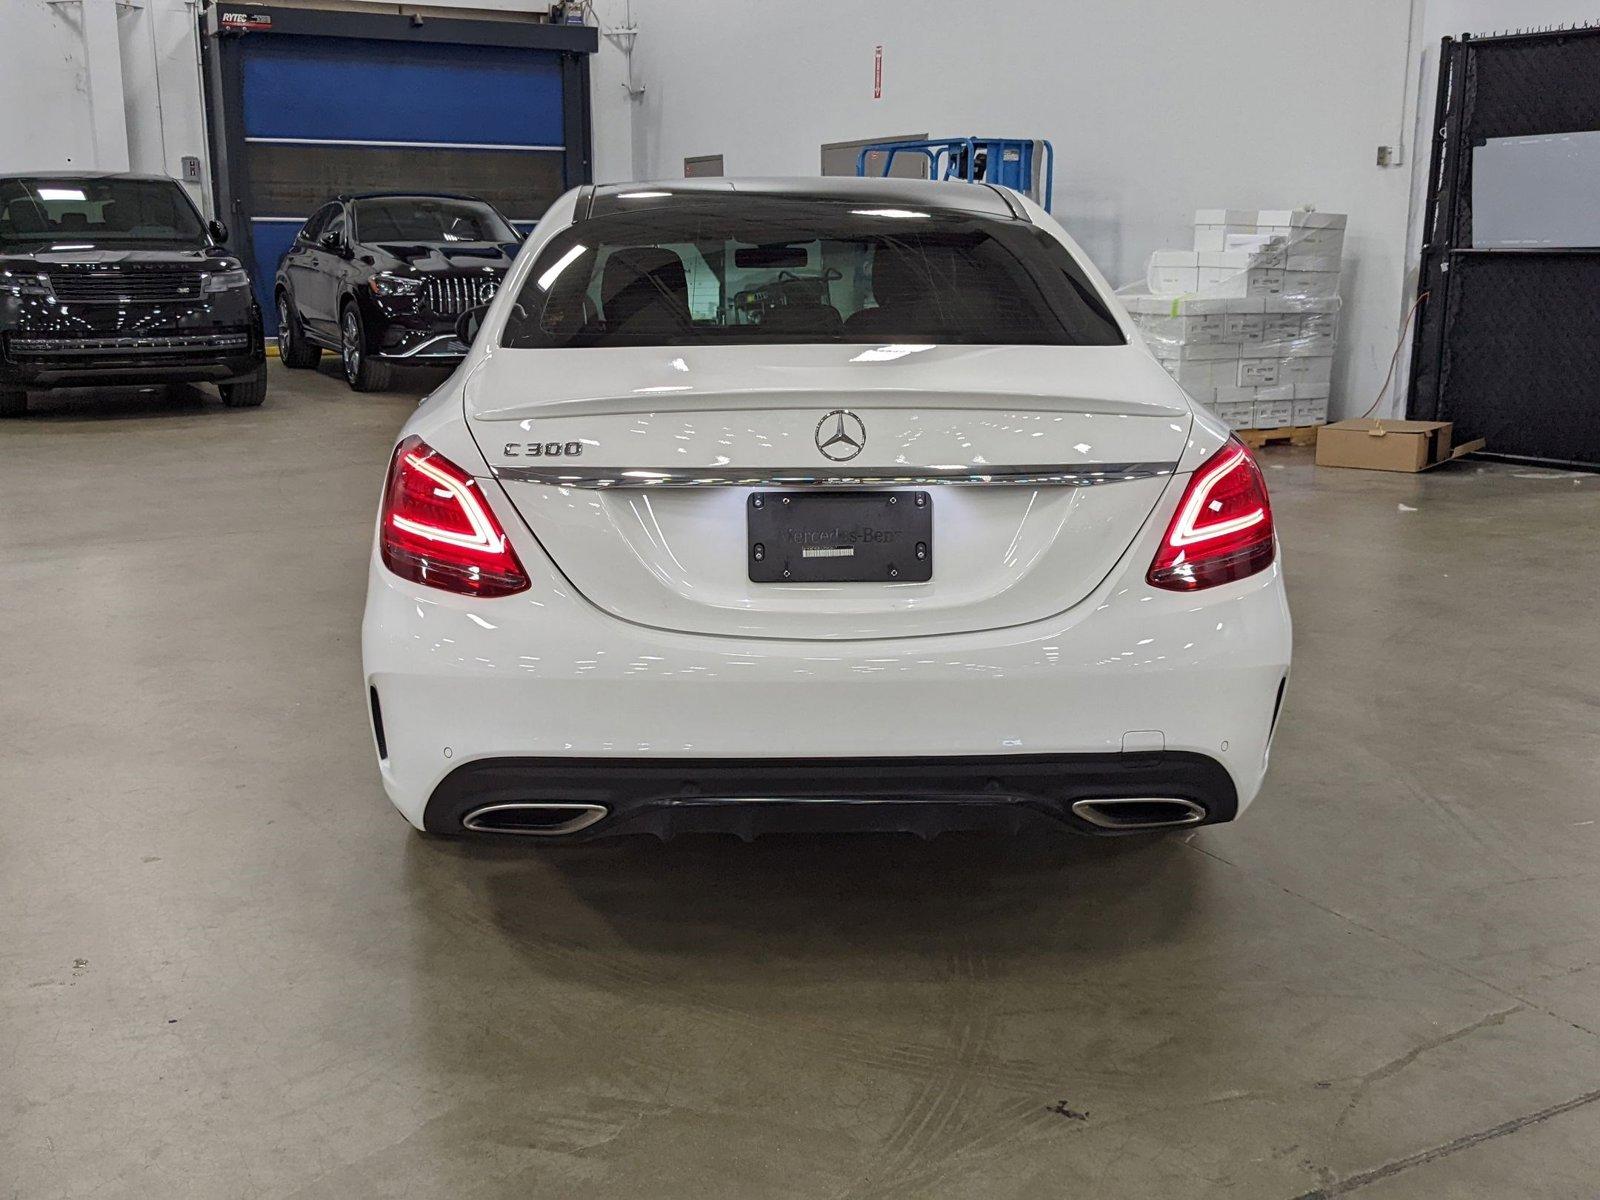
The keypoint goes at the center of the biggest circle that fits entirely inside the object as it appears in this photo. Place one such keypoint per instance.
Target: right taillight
(1222, 530)
(435, 528)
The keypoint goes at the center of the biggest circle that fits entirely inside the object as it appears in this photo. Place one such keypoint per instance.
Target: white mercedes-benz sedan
(839, 504)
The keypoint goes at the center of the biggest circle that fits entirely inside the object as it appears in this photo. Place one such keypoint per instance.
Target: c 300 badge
(543, 449)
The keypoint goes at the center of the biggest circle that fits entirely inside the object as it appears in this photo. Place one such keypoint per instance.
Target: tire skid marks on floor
(941, 1125)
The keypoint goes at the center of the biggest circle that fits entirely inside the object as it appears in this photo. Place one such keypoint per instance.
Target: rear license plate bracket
(839, 537)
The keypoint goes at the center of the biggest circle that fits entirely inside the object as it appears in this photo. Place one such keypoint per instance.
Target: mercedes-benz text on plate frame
(846, 504)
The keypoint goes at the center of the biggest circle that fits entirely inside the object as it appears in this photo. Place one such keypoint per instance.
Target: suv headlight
(226, 281)
(386, 283)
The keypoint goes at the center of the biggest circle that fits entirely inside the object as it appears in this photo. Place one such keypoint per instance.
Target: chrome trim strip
(420, 350)
(1053, 475)
(587, 815)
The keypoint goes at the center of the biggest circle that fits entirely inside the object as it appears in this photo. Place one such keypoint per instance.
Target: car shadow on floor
(409, 381)
(857, 901)
(119, 404)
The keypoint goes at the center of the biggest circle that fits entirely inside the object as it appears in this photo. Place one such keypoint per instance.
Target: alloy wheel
(350, 343)
(285, 343)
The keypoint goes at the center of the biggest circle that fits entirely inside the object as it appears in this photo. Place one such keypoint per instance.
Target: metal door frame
(222, 77)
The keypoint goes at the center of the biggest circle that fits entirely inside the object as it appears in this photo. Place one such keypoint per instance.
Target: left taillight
(1222, 530)
(437, 530)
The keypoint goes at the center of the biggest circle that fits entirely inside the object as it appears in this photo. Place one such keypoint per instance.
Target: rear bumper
(582, 799)
(547, 680)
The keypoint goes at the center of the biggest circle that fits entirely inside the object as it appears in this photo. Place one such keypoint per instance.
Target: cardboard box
(1306, 230)
(1373, 444)
(1173, 272)
(1194, 329)
(1299, 218)
(1226, 216)
(1196, 352)
(1213, 227)
(1314, 369)
(1255, 281)
(1236, 414)
(1258, 372)
(1199, 377)
(1274, 414)
(1317, 331)
(1311, 412)
(1281, 333)
(1247, 329)
(1264, 249)
(1178, 306)
(1301, 282)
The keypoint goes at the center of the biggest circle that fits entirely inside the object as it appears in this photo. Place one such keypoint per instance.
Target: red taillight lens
(1223, 527)
(437, 530)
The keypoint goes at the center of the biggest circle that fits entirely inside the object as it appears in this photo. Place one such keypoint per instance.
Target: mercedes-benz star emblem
(840, 435)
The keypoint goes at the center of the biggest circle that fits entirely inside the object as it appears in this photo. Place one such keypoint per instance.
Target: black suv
(118, 280)
(382, 279)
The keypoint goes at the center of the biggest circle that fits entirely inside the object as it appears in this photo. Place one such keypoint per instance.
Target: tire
(13, 403)
(293, 350)
(361, 371)
(248, 392)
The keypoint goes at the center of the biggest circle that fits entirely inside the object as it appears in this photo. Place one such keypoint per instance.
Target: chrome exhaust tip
(1139, 812)
(548, 819)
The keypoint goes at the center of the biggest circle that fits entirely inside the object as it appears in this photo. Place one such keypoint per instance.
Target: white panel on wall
(44, 87)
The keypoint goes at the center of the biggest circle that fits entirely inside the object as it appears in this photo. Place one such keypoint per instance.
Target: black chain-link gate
(1508, 340)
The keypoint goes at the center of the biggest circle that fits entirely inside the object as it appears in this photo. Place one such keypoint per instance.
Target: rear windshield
(43, 211)
(429, 219)
(765, 269)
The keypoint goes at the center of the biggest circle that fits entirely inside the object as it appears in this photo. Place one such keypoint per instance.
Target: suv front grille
(117, 284)
(457, 293)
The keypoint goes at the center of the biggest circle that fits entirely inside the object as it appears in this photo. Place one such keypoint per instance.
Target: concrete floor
(228, 968)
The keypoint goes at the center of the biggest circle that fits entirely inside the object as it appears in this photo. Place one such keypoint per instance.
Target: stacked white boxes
(1246, 320)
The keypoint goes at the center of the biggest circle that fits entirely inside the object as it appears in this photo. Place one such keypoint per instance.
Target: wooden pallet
(1294, 435)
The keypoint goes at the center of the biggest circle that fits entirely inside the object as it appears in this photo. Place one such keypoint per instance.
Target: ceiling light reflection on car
(895, 213)
(560, 265)
(888, 353)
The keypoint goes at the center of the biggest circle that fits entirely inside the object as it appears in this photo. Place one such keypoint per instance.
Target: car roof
(411, 195)
(957, 196)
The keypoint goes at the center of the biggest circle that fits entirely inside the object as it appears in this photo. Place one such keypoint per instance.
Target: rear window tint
(770, 269)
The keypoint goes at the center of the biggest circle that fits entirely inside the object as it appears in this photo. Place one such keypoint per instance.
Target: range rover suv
(117, 280)
(382, 279)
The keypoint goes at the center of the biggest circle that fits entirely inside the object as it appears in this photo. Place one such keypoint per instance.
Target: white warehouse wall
(1155, 109)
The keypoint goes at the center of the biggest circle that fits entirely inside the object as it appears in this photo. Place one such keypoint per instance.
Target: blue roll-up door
(328, 115)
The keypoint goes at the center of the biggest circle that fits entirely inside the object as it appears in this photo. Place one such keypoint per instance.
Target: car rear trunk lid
(634, 467)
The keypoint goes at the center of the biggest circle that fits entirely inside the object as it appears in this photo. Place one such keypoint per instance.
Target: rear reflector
(1222, 530)
(436, 529)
